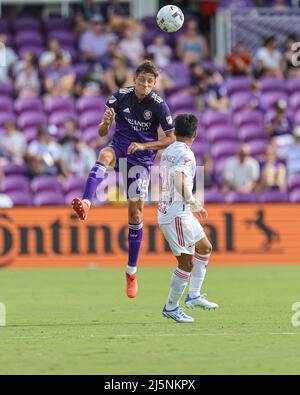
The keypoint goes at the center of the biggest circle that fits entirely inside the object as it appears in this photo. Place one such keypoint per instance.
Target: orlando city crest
(147, 115)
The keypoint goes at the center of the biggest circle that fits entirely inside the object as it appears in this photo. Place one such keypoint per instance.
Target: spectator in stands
(279, 124)
(12, 144)
(119, 75)
(273, 171)
(160, 50)
(77, 157)
(210, 176)
(292, 155)
(269, 59)
(47, 58)
(94, 42)
(27, 83)
(132, 47)
(88, 8)
(112, 9)
(216, 95)
(70, 132)
(60, 79)
(238, 62)
(10, 58)
(106, 59)
(290, 70)
(191, 45)
(256, 102)
(28, 58)
(241, 172)
(280, 5)
(44, 155)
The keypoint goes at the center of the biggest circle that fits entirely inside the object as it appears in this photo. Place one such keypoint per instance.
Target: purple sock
(95, 177)
(135, 236)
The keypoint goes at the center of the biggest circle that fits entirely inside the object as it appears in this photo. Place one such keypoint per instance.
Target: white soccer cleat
(200, 301)
(177, 315)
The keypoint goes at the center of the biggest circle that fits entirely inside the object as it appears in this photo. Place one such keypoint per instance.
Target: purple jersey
(138, 122)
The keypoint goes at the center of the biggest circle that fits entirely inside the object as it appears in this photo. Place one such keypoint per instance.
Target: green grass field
(81, 322)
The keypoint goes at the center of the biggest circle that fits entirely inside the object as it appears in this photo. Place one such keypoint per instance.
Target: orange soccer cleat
(81, 208)
(132, 285)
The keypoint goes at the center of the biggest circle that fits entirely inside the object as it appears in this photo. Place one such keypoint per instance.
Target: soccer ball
(170, 18)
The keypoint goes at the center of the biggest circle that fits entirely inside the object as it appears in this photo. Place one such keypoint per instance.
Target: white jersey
(177, 157)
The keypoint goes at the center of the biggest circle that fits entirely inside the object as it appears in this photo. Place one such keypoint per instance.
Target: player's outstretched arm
(153, 145)
(106, 122)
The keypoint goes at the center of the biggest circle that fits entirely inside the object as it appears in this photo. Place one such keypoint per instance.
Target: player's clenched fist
(109, 115)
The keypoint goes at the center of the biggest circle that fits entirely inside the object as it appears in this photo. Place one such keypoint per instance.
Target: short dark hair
(185, 125)
(147, 67)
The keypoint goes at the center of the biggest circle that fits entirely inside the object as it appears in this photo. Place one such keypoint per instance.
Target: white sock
(131, 269)
(178, 284)
(87, 202)
(198, 274)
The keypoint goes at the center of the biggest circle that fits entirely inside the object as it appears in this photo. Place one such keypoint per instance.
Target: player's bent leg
(135, 235)
(81, 206)
(203, 249)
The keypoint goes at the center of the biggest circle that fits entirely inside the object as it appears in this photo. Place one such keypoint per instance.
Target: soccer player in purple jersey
(138, 112)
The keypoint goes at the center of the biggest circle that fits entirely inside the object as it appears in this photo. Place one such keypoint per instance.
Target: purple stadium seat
(4, 25)
(251, 117)
(213, 196)
(149, 34)
(273, 195)
(270, 98)
(218, 133)
(294, 101)
(15, 183)
(60, 103)
(293, 85)
(251, 132)
(74, 183)
(293, 182)
(239, 100)
(81, 70)
(89, 118)
(180, 73)
(210, 118)
(28, 104)
(149, 21)
(58, 118)
(224, 150)
(257, 147)
(295, 196)
(271, 84)
(28, 38)
(14, 169)
(49, 198)
(4, 117)
(6, 89)
(200, 148)
(178, 101)
(35, 49)
(91, 103)
(297, 118)
(21, 198)
(238, 84)
(91, 135)
(236, 197)
(45, 183)
(70, 196)
(32, 119)
(30, 134)
(26, 23)
(57, 23)
(6, 104)
(63, 36)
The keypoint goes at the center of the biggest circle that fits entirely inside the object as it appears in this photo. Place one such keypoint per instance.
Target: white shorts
(182, 234)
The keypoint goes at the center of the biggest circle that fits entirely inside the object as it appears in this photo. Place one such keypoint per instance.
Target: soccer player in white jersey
(181, 229)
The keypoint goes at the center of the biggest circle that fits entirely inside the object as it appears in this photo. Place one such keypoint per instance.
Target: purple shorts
(135, 176)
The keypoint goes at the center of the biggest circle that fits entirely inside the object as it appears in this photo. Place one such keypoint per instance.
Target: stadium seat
(6, 89)
(45, 183)
(6, 104)
(270, 98)
(60, 103)
(179, 101)
(32, 119)
(90, 118)
(236, 197)
(30, 134)
(48, 198)
(14, 169)
(91, 103)
(271, 84)
(210, 118)
(293, 85)
(273, 195)
(35, 49)
(295, 196)
(26, 23)
(251, 132)
(213, 196)
(81, 70)
(74, 183)
(238, 84)
(21, 198)
(59, 117)
(239, 100)
(28, 104)
(219, 133)
(14, 183)
(57, 23)
(4, 25)
(293, 182)
(28, 38)
(6, 116)
(248, 117)
(257, 147)
(64, 37)
(224, 150)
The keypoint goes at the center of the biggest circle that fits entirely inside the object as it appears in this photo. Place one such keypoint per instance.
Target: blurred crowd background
(60, 70)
